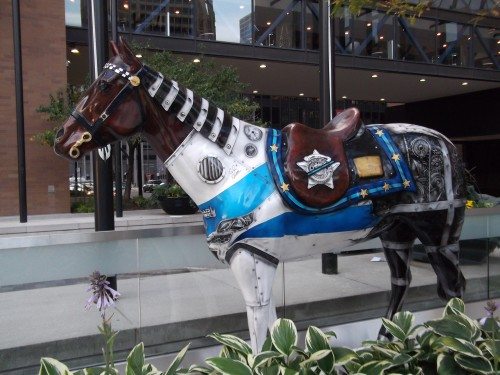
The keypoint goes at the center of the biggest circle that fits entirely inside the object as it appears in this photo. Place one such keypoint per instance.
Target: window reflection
(377, 25)
(233, 20)
(278, 23)
(169, 18)
(412, 36)
(76, 13)
(311, 25)
(486, 47)
(453, 43)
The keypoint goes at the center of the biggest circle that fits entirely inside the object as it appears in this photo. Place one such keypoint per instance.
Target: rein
(133, 81)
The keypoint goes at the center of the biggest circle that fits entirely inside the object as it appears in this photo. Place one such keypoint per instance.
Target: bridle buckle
(103, 116)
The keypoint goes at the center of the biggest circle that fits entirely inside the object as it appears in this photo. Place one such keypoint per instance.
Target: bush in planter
(173, 199)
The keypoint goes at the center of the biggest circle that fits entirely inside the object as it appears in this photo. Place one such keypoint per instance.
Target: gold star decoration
(395, 157)
(284, 187)
(274, 148)
(363, 193)
(406, 183)
(386, 186)
(379, 132)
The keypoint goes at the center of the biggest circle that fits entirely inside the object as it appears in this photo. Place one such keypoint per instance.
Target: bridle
(92, 128)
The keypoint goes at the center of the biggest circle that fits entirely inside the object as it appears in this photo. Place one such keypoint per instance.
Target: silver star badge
(319, 169)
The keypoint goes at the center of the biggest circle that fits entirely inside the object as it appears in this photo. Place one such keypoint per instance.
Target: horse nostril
(59, 133)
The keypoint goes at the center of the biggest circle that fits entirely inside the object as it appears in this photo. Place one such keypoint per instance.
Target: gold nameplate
(369, 166)
(135, 81)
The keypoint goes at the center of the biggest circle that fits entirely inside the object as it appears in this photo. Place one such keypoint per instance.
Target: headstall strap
(132, 82)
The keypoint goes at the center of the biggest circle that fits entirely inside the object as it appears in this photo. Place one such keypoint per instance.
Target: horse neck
(174, 111)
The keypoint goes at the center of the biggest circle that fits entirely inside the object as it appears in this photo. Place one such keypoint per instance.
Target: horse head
(111, 108)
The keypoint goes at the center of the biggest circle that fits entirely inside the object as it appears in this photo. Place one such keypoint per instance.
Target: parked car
(149, 186)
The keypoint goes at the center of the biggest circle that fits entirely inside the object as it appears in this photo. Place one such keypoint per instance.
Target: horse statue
(268, 196)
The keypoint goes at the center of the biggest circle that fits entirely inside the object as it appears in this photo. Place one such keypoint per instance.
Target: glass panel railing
(453, 44)
(173, 290)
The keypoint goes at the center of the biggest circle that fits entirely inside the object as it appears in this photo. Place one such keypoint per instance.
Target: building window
(278, 24)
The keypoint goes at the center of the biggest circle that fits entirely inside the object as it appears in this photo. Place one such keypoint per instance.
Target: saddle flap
(315, 164)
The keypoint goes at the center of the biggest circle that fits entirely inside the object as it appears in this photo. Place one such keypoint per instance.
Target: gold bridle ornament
(74, 152)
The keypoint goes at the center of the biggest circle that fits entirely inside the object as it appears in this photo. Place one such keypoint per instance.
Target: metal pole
(327, 95)
(18, 70)
(118, 145)
(327, 63)
(103, 162)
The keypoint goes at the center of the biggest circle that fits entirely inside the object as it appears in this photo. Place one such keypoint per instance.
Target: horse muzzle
(74, 151)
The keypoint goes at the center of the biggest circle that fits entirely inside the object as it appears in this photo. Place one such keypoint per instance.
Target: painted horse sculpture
(268, 195)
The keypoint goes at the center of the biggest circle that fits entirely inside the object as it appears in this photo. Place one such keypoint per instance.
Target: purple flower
(491, 307)
(103, 296)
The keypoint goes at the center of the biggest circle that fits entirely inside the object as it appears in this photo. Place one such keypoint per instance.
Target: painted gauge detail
(253, 133)
(211, 170)
(250, 150)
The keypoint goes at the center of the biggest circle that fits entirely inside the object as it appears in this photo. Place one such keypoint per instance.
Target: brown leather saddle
(315, 163)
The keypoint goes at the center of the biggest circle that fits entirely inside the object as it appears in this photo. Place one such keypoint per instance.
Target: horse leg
(442, 248)
(444, 260)
(397, 244)
(255, 277)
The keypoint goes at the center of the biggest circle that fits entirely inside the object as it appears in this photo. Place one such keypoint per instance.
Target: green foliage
(409, 9)
(164, 191)
(57, 111)
(451, 345)
(85, 206)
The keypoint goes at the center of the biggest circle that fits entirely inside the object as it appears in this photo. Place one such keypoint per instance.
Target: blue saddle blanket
(397, 180)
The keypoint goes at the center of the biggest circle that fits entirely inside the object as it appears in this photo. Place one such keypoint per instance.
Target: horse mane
(210, 121)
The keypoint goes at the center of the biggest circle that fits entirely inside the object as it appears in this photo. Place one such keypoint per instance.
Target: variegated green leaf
(459, 346)
(288, 371)
(404, 320)
(263, 357)
(228, 366)
(374, 367)
(135, 360)
(316, 356)
(284, 335)
(454, 306)
(343, 355)
(394, 329)
(177, 361)
(233, 342)
(479, 365)
(446, 365)
(271, 370)
(492, 347)
(194, 369)
(450, 326)
(51, 366)
(317, 341)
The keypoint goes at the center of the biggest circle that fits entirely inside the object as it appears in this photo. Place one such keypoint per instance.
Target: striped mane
(193, 110)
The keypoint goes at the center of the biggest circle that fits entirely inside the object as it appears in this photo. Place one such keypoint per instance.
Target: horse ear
(114, 48)
(127, 54)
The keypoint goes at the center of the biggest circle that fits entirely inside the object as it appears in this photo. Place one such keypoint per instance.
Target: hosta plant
(451, 345)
